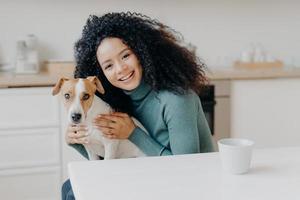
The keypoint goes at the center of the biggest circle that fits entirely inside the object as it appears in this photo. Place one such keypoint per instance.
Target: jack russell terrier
(82, 107)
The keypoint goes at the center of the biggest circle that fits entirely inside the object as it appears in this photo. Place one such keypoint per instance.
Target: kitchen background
(219, 29)
(259, 104)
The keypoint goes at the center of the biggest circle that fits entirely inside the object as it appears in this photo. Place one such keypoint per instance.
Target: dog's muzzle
(76, 117)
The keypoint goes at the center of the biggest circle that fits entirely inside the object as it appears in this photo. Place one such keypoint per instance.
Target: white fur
(98, 145)
(76, 106)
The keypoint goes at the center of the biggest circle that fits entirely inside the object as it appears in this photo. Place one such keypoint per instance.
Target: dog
(78, 96)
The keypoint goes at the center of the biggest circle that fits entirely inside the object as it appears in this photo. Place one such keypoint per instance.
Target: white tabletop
(274, 174)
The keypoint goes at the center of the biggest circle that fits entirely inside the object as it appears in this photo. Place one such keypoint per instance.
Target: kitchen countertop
(54, 70)
(47, 77)
(27, 80)
(248, 74)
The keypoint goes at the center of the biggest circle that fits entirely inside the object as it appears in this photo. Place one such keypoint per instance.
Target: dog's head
(77, 96)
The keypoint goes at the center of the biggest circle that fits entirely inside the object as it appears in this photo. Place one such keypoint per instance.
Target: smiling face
(119, 64)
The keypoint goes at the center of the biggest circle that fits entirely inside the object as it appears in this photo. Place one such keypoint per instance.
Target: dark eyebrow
(124, 50)
(118, 54)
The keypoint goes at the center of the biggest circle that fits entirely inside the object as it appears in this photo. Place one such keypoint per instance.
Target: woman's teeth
(126, 77)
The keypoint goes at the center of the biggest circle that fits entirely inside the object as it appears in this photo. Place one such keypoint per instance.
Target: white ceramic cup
(235, 154)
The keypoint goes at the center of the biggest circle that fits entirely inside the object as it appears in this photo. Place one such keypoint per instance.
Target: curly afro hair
(166, 63)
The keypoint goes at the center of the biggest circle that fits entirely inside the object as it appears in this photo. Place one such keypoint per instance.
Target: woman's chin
(130, 86)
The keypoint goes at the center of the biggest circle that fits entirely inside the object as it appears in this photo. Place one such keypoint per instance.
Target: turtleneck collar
(140, 92)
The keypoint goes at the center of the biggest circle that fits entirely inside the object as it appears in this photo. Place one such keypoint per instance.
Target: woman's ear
(97, 82)
(58, 85)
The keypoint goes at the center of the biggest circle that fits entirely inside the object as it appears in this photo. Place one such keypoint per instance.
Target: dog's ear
(58, 85)
(97, 82)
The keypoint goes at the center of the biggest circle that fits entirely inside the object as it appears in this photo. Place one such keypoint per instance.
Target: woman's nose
(120, 67)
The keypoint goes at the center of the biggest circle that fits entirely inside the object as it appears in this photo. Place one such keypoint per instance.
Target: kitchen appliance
(208, 102)
(27, 61)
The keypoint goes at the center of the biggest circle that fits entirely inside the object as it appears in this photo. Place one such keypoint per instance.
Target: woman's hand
(115, 125)
(76, 134)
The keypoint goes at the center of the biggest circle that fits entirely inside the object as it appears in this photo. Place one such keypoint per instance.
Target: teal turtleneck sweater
(176, 123)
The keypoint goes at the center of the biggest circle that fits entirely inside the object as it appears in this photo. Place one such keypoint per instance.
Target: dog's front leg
(91, 154)
(111, 149)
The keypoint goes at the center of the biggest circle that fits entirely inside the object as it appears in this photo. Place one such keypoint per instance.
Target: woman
(148, 74)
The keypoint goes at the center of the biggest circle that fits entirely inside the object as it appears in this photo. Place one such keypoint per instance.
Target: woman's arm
(183, 117)
(147, 144)
(185, 120)
(120, 126)
(80, 148)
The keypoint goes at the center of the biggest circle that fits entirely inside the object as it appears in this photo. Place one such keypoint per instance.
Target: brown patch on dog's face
(56, 89)
(87, 95)
(68, 92)
(97, 83)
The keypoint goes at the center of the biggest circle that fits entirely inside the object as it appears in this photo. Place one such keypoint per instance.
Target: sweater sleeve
(181, 117)
(146, 143)
(80, 148)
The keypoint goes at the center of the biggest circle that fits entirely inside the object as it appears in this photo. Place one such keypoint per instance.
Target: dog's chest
(95, 136)
(96, 141)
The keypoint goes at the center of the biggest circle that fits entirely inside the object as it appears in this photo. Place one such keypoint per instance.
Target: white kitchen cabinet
(266, 111)
(30, 144)
(36, 183)
(33, 152)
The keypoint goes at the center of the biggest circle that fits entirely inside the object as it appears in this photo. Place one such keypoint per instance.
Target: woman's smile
(119, 64)
(128, 77)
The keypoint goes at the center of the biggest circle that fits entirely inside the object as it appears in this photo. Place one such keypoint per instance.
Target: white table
(275, 174)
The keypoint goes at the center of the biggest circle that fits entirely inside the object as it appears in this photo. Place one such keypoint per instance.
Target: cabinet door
(266, 111)
(27, 108)
(222, 110)
(30, 145)
(30, 184)
(222, 119)
(29, 148)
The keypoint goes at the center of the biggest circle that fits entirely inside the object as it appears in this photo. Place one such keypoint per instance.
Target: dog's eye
(67, 96)
(86, 97)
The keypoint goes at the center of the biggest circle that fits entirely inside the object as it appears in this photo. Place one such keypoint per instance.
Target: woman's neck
(140, 92)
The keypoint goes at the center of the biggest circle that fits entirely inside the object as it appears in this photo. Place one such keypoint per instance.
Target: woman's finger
(79, 126)
(120, 114)
(79, 141)
(105, 123)
(111, 136)
(73, 128)
(77, 134)
(110, 117)
(106, 131)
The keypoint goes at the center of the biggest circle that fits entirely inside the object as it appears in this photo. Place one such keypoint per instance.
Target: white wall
(219, 29)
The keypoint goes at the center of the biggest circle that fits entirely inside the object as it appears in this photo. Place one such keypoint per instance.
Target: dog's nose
(76, 117)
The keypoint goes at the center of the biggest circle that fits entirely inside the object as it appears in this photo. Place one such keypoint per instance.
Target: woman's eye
(67, 96)
(126, 55)
(86, 97)
(108, 67)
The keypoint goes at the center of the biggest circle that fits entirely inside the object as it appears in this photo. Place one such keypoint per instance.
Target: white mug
(235, 154)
